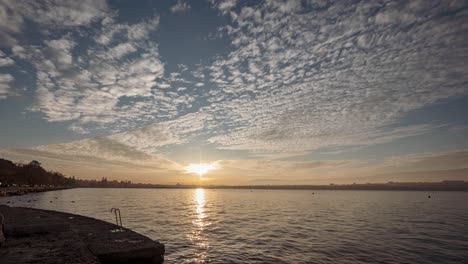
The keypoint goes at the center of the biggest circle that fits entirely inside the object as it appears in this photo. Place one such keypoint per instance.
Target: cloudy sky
(266, 92)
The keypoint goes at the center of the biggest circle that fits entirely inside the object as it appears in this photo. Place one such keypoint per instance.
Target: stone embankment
(42, 236)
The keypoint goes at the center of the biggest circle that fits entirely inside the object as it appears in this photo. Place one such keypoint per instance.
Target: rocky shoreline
(49, 237)
(15, 191)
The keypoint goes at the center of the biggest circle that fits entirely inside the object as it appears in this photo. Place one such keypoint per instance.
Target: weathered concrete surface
(41, 236)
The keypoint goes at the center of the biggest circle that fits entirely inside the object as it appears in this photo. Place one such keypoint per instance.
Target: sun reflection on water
(197, 236)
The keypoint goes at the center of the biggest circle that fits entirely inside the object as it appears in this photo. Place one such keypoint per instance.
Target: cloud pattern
(318, 74)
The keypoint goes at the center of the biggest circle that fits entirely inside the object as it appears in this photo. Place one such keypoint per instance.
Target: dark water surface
(281, 226)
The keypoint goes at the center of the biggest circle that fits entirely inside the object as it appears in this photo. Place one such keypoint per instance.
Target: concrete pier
(42, 236)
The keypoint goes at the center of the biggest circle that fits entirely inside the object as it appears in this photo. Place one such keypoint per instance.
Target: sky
(258, 92)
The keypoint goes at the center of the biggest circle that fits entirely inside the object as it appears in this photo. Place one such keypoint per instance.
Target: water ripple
(266, 226)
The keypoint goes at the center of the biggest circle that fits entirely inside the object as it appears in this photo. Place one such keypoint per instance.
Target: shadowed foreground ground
(42, 236)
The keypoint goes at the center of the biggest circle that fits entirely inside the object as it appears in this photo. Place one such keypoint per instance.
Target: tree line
(33, 174)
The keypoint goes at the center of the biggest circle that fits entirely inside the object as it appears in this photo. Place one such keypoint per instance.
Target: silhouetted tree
(34, 163)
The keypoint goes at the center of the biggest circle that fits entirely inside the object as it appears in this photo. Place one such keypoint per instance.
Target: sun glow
(199, 168)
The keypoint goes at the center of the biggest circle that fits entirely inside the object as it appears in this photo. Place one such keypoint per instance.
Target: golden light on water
(200, 203)
(200, 168)
(198, 236)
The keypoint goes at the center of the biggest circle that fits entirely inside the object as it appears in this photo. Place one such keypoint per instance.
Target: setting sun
(200, 168)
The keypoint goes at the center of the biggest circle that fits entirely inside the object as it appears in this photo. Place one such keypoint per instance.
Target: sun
(199, 168)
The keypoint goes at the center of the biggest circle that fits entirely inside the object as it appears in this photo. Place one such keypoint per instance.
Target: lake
(280, 226)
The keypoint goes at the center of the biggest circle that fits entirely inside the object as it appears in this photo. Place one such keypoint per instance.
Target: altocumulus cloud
(307, 75)
(110, 84)
(180, 7)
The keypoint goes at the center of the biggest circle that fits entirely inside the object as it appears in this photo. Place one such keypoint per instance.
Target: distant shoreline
(391, 186)
(22, 190)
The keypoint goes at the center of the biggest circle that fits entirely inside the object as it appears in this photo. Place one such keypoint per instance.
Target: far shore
(21, 190)
(448, 185)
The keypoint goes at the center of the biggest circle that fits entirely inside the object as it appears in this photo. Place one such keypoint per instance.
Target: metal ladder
(118, 220)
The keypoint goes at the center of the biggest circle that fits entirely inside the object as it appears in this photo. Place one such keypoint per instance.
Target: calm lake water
(281, 226)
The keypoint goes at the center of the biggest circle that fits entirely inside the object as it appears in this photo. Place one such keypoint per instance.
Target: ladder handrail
(115, 211)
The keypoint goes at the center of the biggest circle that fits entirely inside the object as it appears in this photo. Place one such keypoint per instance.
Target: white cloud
(135, 150)
(64, 13)
(224, 5)
(11, 22)
(119, 51)
(140, 31)
(5, 82)
(78, 129)
(111, 83)
(5, 60)
(53, 14)
(433, 161)
(58, 52)
(180, 7)
(90, 158)
(150, 138)
(339, 75)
